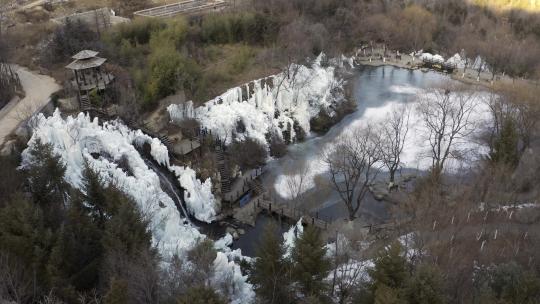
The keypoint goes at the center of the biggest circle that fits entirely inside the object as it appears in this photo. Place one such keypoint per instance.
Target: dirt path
(38, 88)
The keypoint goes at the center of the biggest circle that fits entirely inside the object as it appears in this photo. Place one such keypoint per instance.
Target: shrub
(137, 32)
(174, 34)
(232, 28)
(241, 59)
(247, 154)
(163, 76)
(278, 148)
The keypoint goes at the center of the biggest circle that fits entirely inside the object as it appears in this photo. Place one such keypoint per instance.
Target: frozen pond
(376, 90)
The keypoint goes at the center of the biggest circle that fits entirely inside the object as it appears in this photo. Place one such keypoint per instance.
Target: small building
(89, 73)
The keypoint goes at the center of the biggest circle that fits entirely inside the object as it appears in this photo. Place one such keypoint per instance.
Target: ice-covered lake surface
(376, 90)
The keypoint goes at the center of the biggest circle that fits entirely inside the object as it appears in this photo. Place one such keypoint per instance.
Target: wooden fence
(288, 212)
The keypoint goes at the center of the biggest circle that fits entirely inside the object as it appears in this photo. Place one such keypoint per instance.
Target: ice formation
(179, 112)
(430, 57)
(290, 236)
(77, 139)
(274, 104)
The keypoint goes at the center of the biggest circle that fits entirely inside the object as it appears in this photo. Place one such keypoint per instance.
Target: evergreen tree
(310, 264)
(77, 255)
(202, 257)
(46, 181)
(387, 295)
(201, 295)
(23, 234)
(389, 275)
(117, 293)
(94, 195)
(126, 231)
(390, 267)
(11, 179)
(505, 148)
(270, 274)
(425, 286)
(511, 283)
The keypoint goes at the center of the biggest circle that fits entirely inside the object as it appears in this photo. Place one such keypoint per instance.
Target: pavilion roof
(85, 54)
(83, 64)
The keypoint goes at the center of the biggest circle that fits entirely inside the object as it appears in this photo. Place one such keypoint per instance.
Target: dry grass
(235, 64)
(526, 5)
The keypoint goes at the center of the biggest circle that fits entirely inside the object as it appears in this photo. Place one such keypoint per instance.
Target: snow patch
(290, 236)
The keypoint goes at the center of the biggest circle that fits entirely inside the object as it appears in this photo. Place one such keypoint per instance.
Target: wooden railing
(241, 187)
(289, 212)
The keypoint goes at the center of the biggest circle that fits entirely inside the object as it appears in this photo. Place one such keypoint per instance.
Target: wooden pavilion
(89, 74)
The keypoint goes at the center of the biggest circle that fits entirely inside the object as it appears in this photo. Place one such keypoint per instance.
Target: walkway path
(38, 88)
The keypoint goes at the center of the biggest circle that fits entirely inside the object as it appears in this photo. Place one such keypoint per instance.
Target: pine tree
(389, 275)
(202, 257)
(94, 195)
(270, 273)
(46, 180)
(23, 234)
(310, 264)
(126, 231)
(506, 145)
(77, 255)
(387, 295)
(117, 293)
(425, 286)
(390, 268)
(201, 295)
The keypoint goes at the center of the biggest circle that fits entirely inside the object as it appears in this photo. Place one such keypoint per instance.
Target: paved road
(38, 88)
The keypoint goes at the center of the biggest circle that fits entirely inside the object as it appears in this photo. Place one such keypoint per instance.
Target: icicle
(510, 216)
(468, 216)
(495, 237)
(453, 220)
(485, 216)
(482, 246)
(525, 235)
(434, 225)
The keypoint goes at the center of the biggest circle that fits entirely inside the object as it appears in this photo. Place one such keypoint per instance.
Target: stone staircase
(257, 187)
(166, 140)
(85, 103)
(223, 172)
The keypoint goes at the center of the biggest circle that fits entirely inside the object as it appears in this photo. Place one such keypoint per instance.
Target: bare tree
(15, 280)
(296, 176)
(139, 272)
(353, 166)
(446, 114)
(348, 272)
(393, 133)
